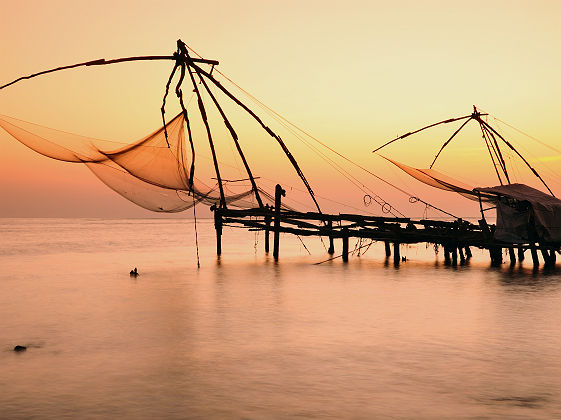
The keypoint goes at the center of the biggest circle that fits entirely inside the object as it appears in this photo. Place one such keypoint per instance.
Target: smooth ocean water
(243, 337)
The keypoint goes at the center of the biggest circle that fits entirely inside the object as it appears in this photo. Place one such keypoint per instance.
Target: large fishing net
(153, 172)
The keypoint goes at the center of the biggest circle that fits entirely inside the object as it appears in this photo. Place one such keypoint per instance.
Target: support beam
(468, 252)
(520, 254)
(279, 192)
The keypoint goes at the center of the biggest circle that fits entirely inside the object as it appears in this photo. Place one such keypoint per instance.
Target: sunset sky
(353, 74)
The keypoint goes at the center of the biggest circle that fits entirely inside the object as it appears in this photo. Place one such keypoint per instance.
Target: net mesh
(152, 172)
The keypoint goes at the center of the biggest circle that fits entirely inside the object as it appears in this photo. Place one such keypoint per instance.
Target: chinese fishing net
(152, 172)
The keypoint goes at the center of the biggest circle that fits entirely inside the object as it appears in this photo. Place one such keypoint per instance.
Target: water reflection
(244, 337)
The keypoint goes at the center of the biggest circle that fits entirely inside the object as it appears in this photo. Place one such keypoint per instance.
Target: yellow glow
(354, 74)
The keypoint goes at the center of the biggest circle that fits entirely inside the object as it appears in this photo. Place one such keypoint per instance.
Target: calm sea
(243, 337)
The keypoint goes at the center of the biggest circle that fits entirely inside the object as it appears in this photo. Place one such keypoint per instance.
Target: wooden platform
(455, 237)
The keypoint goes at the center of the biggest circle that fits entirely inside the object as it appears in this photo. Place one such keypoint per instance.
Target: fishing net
(153, 172)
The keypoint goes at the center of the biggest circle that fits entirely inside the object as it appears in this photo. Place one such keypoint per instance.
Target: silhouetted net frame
(155, 171)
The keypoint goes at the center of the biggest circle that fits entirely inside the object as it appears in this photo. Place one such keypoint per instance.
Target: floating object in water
(134, 272)
(19, 348)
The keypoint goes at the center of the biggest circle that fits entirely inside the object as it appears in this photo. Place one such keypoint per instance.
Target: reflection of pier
(455, 237)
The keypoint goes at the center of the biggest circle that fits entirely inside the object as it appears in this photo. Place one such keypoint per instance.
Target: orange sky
(354, 74)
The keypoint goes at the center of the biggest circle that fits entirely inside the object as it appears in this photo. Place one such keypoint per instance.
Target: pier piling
(279, 192)
(388, 249)
(534, 253)
(520, 254)
(268, 227)
(512, 255)
(396, 256)
(345, 254)
(331, 249)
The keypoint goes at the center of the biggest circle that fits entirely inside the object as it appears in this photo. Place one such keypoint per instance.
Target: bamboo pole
(235, 138)
(421, 129)
(267, 129)
(209, 135)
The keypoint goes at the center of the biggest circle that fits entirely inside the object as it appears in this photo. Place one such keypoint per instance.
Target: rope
(321, 143)
(304, 245)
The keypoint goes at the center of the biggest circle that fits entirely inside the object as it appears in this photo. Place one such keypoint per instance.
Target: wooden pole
(267, 129)
(512, 255)
(468, 252)
(345, 254)
(210, 141)
(235, 138)
(388, 249)
(520, 254)
(331, 249)
(421, 129)
(534, 253)
(396, 256)
(454, 251)
(218, 227)
(462, 256)
(553, 257)
(496, 255)
(279, 192)
(546, 257)
(268, 229)
(518, 153)
(447, 260)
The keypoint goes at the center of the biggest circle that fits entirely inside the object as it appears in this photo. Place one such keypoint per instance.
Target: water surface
(243, 337)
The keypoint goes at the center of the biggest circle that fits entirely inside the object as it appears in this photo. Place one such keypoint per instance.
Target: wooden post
(534, 253)
(546, 257)
(388, 249)
(520, 254)
(396, 256)
(454, 251)
(512, 255)
(468, 252)
(268, 224)
(218, 227)
(499, 251)
(446, 254)
(331, 249)
(462, 256)
(345, 254)
(279, 192)
(553, 257)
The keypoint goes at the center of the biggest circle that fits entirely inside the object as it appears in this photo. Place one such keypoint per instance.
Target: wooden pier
(456, 238)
